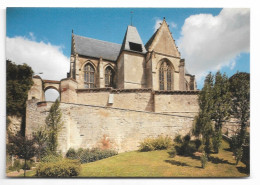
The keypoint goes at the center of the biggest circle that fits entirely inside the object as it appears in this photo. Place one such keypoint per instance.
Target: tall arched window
(89, 76)
(109, 77)
(165, 76)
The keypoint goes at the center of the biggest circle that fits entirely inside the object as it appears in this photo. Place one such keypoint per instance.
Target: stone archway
(51, 90)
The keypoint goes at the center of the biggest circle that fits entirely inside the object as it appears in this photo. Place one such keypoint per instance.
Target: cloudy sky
(209, 39)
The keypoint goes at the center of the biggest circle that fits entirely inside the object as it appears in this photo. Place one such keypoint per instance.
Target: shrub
(71, 154)
(61, 168)
(201, 148)
(51, 158)
(162, 143)
(184, 146)
(172, 152)
(186, 138)
(203, 160)
(87, 155)
(159, 143)
(178, 139)
(198, 143)
(146, 145)
(16, 167)
(95, 154)
(27, 166)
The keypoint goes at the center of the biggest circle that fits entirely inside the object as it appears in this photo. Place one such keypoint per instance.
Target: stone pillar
(181, 77)
(101, 74)
(192, 83)
(36, 91)
(68, 92)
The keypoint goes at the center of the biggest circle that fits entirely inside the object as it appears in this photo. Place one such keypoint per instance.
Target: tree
(203, 122)
(221, 107)
(22, 147)
(240, 93)
(40, 137)
(53, 125)
(19, 82)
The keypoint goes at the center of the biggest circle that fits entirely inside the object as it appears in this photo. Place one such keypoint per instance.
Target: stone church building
(115, 95)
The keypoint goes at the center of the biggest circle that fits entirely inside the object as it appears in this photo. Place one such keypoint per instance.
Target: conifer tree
(221, 107)
(240, 91)
(203, 123)
(54, 124)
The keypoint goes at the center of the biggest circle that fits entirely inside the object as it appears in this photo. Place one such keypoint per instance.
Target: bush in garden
(95, 154)
(87, 155)
(27, 166)
(198, 143)
(172, 152)
(16, 167)
(71, 154)
(146, 145)
(203, 160)
(184, 146)
(60, 168)
(51, 158)
(159, 143)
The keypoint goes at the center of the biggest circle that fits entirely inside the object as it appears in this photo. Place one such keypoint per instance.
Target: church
(119, 94)
(157, 65)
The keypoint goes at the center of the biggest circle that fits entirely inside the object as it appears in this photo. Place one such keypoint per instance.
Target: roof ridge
(98, 39)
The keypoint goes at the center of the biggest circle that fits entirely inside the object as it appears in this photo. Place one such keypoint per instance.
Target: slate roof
(132, 35)
(96, 48)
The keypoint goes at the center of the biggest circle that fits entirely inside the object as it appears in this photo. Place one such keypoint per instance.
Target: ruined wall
(95, 126)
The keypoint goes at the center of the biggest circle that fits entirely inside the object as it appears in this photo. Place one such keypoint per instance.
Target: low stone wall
(87, 126)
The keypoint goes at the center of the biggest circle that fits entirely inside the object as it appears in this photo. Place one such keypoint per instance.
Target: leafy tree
(19, 82)
(240, 93)
(203, 122)
(221, 107)
(53, 125)
(22, 147)
(40, 138)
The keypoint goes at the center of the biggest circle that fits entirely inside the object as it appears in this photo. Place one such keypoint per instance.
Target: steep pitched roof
(149, 42)
(132, 41)
(96, 48)
(162, 41)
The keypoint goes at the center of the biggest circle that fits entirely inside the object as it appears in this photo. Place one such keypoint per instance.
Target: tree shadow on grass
(227, 149)
(217, 160)
(243, 170)
(177, 163)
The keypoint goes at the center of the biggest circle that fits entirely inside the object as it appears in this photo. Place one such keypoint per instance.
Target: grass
(158, 164)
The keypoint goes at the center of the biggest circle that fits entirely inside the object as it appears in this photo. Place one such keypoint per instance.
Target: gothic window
(89, 76)
(165, 76)
(109, 77)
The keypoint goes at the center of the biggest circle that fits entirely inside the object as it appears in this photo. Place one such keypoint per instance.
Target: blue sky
(49, 30)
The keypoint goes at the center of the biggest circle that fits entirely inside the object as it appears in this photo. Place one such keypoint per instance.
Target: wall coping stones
(114, 108)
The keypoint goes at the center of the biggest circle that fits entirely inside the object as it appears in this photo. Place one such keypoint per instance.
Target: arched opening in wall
(51, 94)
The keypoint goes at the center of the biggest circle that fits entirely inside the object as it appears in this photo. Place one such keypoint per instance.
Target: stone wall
(176, 102)
(90, 126)
(15, 124)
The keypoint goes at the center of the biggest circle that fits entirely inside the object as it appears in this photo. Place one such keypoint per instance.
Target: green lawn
(158, 164)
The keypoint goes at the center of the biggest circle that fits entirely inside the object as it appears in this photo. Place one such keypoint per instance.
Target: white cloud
(210, 42)
(42, 57)
(157, 24)
(159, 21)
